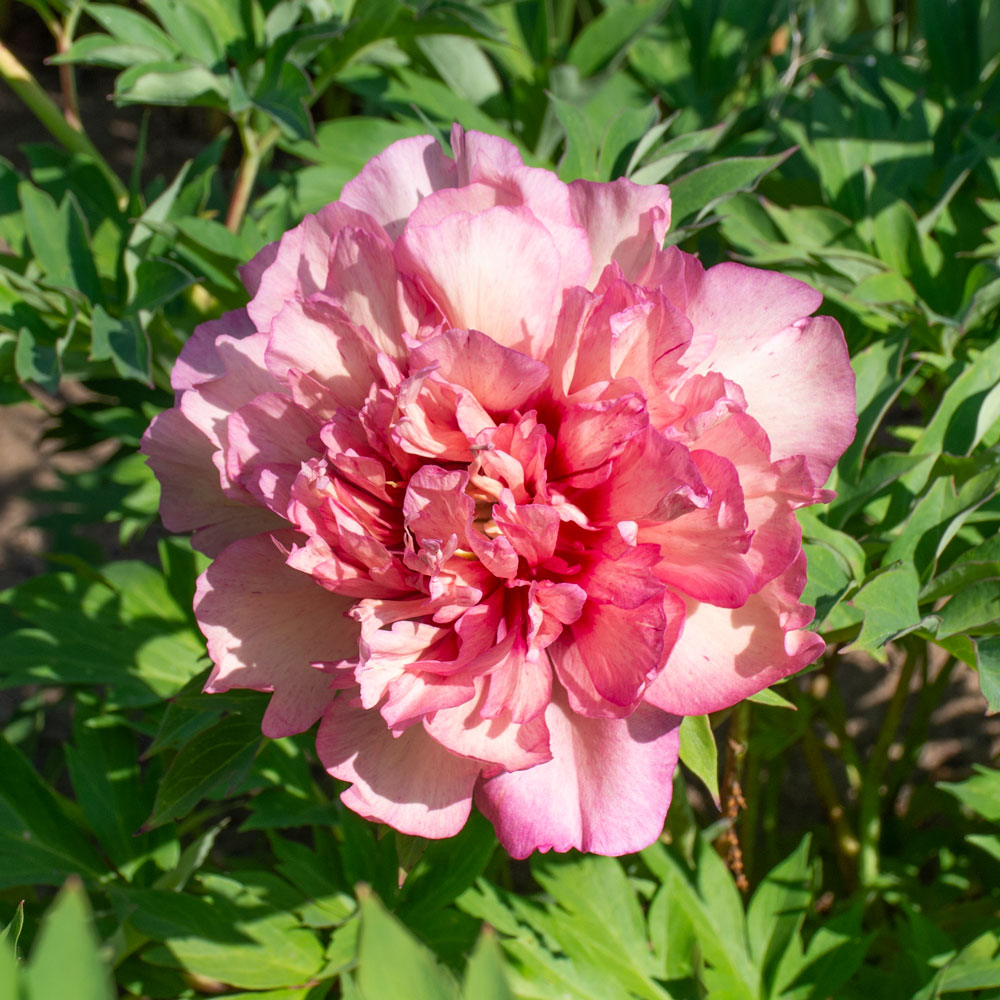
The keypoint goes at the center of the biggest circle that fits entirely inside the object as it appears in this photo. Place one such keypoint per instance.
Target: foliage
(831, 140)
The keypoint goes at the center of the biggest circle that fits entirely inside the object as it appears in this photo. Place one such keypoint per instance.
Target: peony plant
(497, 489)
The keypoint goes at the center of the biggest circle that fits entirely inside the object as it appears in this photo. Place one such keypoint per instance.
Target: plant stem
(27, 88)
(872, 791)
(254, 150)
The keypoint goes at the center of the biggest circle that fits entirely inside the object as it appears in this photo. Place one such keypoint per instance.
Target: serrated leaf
(700, 753)
(214, 756)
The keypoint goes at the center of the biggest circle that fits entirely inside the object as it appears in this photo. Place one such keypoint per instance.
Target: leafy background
(153, 845)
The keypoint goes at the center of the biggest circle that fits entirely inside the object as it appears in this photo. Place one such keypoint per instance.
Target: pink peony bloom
(497, 489)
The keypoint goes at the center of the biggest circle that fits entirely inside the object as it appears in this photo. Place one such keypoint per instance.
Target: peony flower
(497, 489)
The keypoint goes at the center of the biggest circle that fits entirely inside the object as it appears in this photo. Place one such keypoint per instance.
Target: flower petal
(725, 655)
(393, 183)
(266, 624)
(410, 782)
(606, 789)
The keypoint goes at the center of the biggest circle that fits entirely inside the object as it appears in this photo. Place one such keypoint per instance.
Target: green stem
(872, 790)
(254, 150)
(27, 88)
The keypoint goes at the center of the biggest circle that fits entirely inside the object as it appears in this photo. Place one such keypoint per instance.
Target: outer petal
(298, 265)
(606, 789)
(265, 625)
(625, 223)
(392, 184)
(410, 782)
(724, 656)
(191, 499)
(795, 372)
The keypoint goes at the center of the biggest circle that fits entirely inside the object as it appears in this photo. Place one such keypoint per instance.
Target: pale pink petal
(315, 337)
(201, 360)
(266, 624)
(795, 372)
(497, 272)
(606, 789)
(501, 379)
(300, 264)
(410, 782)
(497, 740)
(191, 499)
(625, 223)
(270, 431)
(393, 183)
(363, 283)
(725, 655)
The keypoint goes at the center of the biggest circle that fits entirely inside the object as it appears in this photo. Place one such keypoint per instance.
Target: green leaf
(713, 906)
(771, 697)
(11, 934)
(411, 971)
(988, 666)
(777, 910)
(65, 961)
(59, 240)
(834, 954)
(942, 510)
(217, 755)
(694, 194)
(445, 869)
(889, 603)
(579, 158)
(133, 28)
(231, 933)
(600, 921)
(103, 768)
(172, 84)
(606, 38)
(35, 361)
(186, 25)
(967, 410)
(38, 843)
(699, 752)
(9, 977)
(103, 50)
(973, 607)
(981, 792)
(123, 342)
(485, 977)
